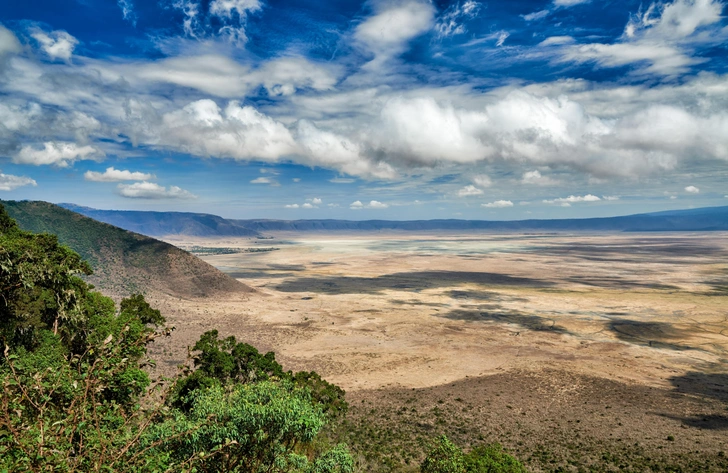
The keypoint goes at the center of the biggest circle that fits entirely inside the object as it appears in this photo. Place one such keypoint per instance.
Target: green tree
(445, 457)
(75, 396)
(227, 361)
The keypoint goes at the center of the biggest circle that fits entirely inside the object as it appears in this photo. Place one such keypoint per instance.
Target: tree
(75, 396)
(445, 457)
(226, 361)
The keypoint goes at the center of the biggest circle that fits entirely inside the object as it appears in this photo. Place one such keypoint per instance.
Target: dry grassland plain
(589, 342)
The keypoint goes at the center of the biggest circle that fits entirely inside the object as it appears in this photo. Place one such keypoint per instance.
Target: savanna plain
(576, 352)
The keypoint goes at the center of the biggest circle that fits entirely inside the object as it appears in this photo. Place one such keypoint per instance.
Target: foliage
(227, 361)
(491, 459)
(76, 397)
(257, 427)
(447, 457)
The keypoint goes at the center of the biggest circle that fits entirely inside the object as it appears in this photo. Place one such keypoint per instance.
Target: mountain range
(206, 225)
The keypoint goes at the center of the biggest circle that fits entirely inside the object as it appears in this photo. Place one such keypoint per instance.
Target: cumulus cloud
(567, 201)
(535, 177)
(56, 44)
(8, 182)
(61, 154)
(469, 191)
(451, 22)
(292, 206)
(498, 204)
(115, 175)
(692, 190)
(315, 201)
(374, 204)
(151, 190)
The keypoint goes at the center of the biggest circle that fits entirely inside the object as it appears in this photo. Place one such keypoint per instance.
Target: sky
(382, 109)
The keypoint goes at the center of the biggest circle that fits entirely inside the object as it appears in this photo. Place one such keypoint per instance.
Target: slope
(165, 223)
(123, 261)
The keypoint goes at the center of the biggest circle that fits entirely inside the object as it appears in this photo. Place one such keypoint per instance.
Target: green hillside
(123, 261)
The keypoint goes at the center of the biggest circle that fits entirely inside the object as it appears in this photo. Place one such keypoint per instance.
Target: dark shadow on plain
(617, 283)
(707, 422)
(653, 334)
(261, 274)
(414, 281)
(710, 386)
(417, 303)
(527, 321)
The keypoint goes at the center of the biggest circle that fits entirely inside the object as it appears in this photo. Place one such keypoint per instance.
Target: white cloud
(610, 197)
(9, 43)
(315, 201)
(662, 39)
(8, 182)
(56, 44)
(569, 3)
(498, 204)
(296, 179)
(151, 190)
(342, 180)
(236, 132)
(567, 201)
(374, 204)
(387, 32)
(502, 36)
(61, 154)
(263, 180)
(537, 15)
(308, 206)
(481, 180)
(292, 206)
(469, 190)
(556, 40)
(127, 10)
(535, 177)
(692, 190)
(450, 23)
(115, 175)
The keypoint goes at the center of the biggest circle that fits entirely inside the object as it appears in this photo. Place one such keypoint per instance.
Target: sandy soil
(381, 314)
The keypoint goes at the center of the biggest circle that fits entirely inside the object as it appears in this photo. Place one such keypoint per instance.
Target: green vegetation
(446, 457)
(76, 397)
(210, 251)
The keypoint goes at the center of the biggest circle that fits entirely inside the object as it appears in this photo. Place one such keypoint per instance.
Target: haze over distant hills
(195, 224)
(123, 261)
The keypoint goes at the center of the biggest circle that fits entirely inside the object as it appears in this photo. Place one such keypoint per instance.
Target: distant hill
(124, 261)
(180, 223)
(165, 223)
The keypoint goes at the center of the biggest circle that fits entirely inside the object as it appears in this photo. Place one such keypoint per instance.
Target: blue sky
(381, 109)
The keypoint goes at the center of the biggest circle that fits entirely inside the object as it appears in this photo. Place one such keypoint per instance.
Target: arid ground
(564, 348)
